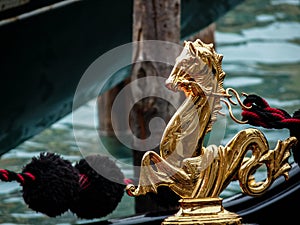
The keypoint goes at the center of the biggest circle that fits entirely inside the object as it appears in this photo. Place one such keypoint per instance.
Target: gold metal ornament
(196, 173)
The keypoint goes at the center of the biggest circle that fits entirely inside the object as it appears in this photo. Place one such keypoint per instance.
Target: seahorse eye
(214, 71)
(166, 151)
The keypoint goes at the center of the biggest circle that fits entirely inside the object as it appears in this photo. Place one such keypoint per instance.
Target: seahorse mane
(213, 60)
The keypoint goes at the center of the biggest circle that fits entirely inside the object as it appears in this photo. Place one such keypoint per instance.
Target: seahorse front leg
(156, 171)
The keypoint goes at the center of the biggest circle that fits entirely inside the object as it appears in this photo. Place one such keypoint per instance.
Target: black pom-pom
(55, 185)
(295, 132)
(101, 187)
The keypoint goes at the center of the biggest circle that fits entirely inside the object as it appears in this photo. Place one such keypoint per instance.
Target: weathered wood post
(152, 20)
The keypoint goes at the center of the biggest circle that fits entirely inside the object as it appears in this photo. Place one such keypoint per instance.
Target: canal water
(260, 41)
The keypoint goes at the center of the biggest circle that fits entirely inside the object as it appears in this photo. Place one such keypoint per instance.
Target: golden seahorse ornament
(196, 173)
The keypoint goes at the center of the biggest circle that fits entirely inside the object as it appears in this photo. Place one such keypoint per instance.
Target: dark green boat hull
(46, 46)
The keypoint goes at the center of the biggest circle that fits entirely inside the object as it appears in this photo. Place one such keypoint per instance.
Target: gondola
(46, 46)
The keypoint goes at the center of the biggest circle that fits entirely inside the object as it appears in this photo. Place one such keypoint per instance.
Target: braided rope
(261, 114)
(22, 178)
(84, 181)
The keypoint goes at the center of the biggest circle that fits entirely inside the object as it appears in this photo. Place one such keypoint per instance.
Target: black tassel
(295, 132)
(55, 185)
(51, 185)
(99, 195)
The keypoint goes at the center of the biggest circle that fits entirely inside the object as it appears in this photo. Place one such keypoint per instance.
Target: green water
(260, 41)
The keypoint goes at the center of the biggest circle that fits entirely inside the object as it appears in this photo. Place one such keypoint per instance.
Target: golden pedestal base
(203, 211)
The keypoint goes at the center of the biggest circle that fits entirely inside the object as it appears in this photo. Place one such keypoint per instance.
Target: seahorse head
(198, 62)
(198, 69)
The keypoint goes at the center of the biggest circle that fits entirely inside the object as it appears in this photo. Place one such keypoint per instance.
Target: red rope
(261, 114)
(22, 178)
(3, 175)
(84, 181)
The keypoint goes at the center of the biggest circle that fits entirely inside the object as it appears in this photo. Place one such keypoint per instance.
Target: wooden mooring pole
(152, 20)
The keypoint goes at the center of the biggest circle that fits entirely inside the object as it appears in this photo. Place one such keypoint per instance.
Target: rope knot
(261, 114)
